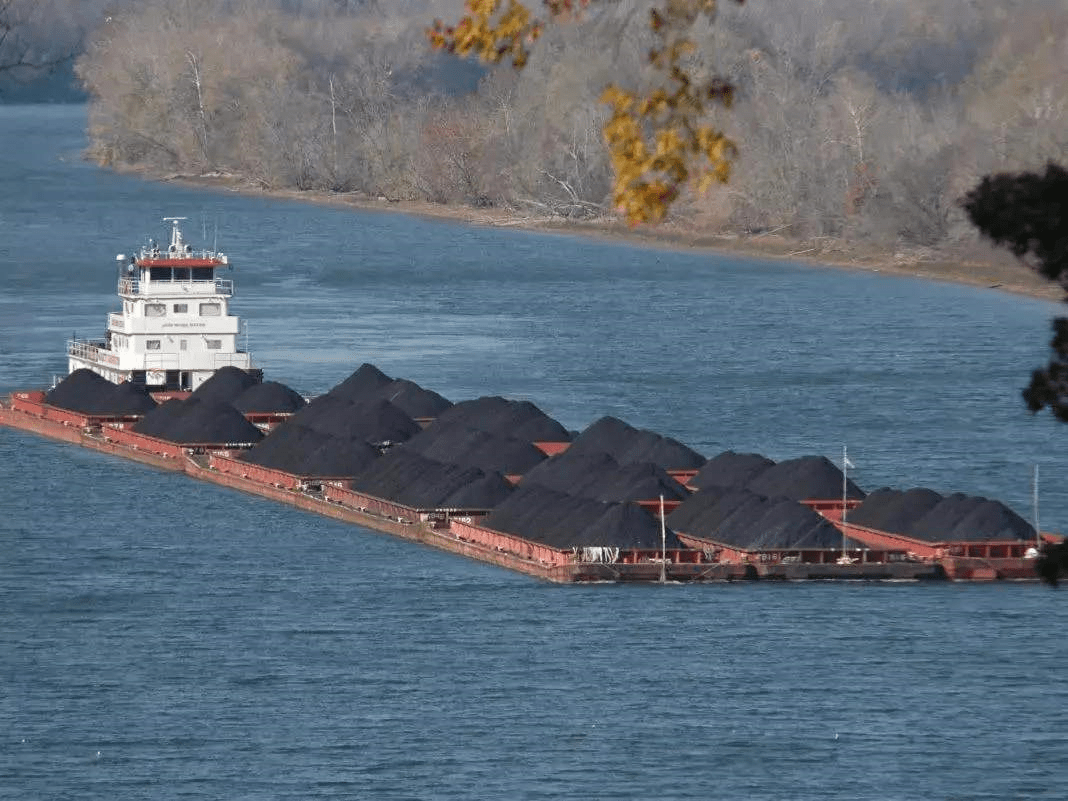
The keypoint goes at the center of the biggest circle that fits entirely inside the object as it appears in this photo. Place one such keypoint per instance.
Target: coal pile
(629, 523)
(196, 421)
(370, 384)
(287, 447)
(480, 493)
(893, 510)
(991, 520)
(547, 516)
(925, 515)
(626, 444)
(412, 399)
(702, 513)
(566, 521)
(363, 385)
(79, 391)
(409, 479)
(570, 472)
(376, 422)
(460, 444)
(959, 517)
(751, 521)
(806, 478)
(731, 469)
(517, 419)
(303, 451)
(787, 524)
(86, 392)
(940, 521)
(269, 397)
(161, 418)
(599, 476)
(128, 400)
(337, 459)
(225, 385)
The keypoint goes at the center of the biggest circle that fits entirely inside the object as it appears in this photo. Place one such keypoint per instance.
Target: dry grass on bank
(982, 266)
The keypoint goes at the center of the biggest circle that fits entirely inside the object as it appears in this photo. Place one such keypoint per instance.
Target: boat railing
(239, 359)
(217, 286)
(181, 253)
(92, 351)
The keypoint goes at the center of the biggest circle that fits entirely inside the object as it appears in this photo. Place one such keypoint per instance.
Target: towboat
(175, 328)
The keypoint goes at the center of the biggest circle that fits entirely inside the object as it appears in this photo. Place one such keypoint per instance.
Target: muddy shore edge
(987, 267)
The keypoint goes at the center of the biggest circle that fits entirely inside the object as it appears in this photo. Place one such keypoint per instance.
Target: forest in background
(856, 120)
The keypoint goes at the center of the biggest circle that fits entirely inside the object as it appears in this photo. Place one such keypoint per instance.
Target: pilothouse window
(181, 308)
(155, 310)
(210, 310)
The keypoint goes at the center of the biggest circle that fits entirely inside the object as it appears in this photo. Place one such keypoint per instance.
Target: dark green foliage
(1052, 563)
(1027, 213)
(1049, 386)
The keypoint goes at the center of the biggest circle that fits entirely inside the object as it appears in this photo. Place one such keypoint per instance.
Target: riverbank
(979, 266)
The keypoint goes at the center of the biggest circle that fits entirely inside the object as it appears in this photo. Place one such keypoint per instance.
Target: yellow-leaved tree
(658, 140)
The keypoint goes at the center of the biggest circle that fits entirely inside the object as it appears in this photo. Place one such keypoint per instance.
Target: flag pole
(663, 543)
(1034, 502)
(845, 470)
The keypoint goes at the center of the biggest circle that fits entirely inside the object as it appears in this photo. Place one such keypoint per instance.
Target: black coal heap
(456, 442)
(225, 385)
(566, 521)
(599, 476)
(805, 478)
(751, 521)
(409, 479)
(86, 392)
(730, 469)
(196, 421)
(627, 444)
(269, 397)
(516, 419)
(369, 384)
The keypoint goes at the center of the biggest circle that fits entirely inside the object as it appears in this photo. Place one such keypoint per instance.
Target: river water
(160, 638)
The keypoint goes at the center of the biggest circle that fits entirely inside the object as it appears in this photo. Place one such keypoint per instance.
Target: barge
(162, 344)
(458, 531)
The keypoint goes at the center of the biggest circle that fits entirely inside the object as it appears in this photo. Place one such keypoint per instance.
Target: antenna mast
(1034, 504)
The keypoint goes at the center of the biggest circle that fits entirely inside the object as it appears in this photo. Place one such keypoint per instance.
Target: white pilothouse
(175, 329)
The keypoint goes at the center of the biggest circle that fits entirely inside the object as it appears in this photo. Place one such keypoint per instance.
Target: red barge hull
(458, 532)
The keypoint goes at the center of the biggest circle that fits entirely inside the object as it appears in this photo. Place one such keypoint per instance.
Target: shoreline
(990, 268)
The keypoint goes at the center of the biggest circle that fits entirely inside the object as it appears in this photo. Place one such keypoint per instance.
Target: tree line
(39, 40)
(856, 121)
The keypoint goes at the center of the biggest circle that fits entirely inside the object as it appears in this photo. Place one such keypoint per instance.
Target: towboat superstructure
(175, 329)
